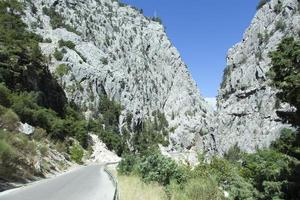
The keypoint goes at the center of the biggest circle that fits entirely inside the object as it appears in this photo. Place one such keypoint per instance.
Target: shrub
(8, 158)
(280, 25)
(62, 70)
(233, 154)
(76, 153)
(268, 171)
(278, 8)
(9, 120)
(58, 55)
(56, 20)
(160, 169)
(16, 152)
(285, 75)
(196, 189)
(4, 95)
(128, 164)
(43, 150)
(104, 61)
(47, 40)
(157, 19)
(39, 134)
(69, 44)
(261, 3)
(288, 143)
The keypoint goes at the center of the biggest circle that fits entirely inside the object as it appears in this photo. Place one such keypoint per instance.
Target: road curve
(85, 183)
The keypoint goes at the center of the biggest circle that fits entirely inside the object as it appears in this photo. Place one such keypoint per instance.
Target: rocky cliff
(247, 104)
(103, 47)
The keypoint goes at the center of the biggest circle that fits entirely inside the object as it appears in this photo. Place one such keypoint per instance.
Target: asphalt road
(85, 183)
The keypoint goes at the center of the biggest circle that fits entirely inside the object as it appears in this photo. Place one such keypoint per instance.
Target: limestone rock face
(247, 104)
(122, 54)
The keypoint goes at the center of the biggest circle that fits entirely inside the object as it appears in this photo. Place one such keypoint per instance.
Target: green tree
(285, 76)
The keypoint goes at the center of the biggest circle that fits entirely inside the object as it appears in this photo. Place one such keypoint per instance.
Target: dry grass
(131, 187)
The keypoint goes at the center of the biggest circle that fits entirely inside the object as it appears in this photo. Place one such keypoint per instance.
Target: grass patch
(132, 187)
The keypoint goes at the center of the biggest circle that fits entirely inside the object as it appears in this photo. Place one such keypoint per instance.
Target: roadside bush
(8, 159)
(205, 188)
(160, 169)
(128, 164)
(76, 153)
(16, 153)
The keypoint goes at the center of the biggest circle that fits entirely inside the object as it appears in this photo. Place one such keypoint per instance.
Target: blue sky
(202, 31)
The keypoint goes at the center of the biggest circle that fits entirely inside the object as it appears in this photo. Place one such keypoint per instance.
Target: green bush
(8, 159)
(269, 171)
(285, 76)
(16, 155)
(280, 25)
(4, 95)
(233, 154)
(61, 71)
(76, 153)
(56, 20)
(196, 189)
(9, 120)
(47, 40)
(160, 169)
(58, 55)
(39, 134)
(69, 44)
(288, 143)
(128, 164)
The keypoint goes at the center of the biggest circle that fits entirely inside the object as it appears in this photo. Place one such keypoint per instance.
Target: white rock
(128, 57)
(247, 104)
(26, 128)
(100, 153)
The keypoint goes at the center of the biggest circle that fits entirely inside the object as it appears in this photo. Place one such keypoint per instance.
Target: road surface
(85, 183)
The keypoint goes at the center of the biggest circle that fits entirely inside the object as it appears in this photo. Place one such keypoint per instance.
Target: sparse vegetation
(57, 21)
(58, 55)
(157, 19)
(278, 8)
(261, 3)
(69, 44)
(280, 25)
(132, 187)
(62, 70)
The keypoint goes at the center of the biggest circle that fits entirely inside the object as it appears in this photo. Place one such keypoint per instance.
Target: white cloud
(212, 101)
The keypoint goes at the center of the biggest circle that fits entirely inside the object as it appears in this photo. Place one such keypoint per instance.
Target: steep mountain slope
(111, 49)
(247, 104)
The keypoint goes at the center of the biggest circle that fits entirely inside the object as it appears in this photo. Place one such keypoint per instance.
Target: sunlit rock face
(128, 57)
(247, 104)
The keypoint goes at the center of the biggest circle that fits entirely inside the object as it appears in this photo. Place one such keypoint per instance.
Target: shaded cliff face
(247, 104)
(120, 53)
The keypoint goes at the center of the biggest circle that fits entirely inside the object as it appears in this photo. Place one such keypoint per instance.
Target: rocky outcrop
(101, 154)
(247, 104)
(118, 52)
